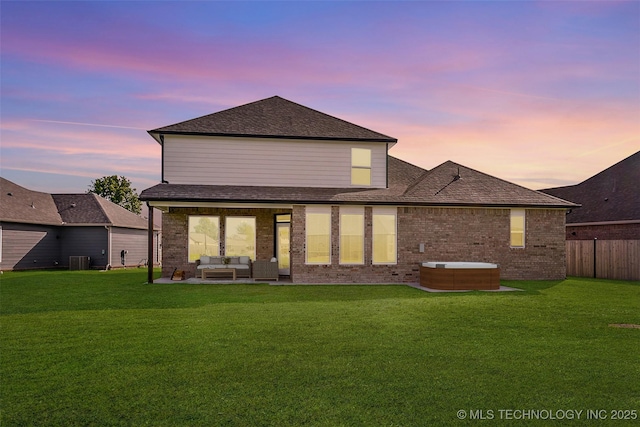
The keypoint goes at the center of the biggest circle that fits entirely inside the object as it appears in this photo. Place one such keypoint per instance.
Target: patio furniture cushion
(214, 262)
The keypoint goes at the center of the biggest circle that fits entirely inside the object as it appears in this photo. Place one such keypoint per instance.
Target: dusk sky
(541, 93)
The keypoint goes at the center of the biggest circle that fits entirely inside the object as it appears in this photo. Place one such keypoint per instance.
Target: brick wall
(448, 234)
(175, 225)
(604, 232)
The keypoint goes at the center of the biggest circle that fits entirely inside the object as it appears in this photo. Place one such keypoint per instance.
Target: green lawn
(103, 348)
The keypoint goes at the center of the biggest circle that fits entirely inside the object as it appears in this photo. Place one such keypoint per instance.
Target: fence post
(595, 240)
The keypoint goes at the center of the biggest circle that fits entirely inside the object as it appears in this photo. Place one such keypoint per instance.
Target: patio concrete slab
(287, 282)
(501, 289)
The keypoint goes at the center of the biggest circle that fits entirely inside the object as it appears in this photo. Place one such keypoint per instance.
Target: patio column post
(150, 246)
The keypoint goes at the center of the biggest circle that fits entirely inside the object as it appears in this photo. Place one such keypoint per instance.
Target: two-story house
(277, 179)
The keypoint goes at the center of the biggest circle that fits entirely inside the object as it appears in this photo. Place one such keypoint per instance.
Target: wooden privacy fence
(604, 259)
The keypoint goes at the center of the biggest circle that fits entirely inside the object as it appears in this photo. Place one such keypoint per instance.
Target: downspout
(150, 245)
(162, 158)
(108, 266)
(387, 159)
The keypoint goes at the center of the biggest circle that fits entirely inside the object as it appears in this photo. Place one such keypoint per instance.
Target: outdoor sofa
(241, 264)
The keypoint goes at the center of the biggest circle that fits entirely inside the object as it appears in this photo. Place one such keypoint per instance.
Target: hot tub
(460, 275)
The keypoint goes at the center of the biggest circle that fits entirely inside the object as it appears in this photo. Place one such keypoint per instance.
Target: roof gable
(92, 209)
(119, 216)
(611, 195)
(452, 183)
(274, 117)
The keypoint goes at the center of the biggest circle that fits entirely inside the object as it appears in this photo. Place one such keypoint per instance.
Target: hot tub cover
(458, 264)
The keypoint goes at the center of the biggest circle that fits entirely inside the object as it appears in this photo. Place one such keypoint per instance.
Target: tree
(118, 190)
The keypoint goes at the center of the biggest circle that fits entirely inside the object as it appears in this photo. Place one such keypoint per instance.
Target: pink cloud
(534, 140)
(519, 107)
(74, 141)
(73, 150)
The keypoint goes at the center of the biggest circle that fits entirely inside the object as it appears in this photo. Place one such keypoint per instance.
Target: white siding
(266, 162)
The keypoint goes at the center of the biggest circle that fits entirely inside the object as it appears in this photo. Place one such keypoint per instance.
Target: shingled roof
(91, 209)
(454, 184)
(449, 184)
(611, 195)
(273, 117)
(21, 205)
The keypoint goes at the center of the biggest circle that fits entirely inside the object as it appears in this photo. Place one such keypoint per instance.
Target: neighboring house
(41, 230)
(275, 178)
(610, 203)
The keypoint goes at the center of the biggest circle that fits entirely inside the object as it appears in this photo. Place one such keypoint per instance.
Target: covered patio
(216, 230)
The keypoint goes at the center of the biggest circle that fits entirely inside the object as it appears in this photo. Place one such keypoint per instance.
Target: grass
(103, 348)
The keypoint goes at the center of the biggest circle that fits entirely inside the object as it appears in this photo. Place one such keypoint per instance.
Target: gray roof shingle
(611, 195)
(274, 117)
(21, 205)
(91, 209)
(408, 185)
(452, 183)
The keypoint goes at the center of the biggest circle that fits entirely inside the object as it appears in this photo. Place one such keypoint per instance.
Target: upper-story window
(360, 166)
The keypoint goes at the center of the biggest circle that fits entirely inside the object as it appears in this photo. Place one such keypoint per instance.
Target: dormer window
(360, 166)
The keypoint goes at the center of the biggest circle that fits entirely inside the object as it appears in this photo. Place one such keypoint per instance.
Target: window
(384, 236)
(240, 236)
(360, 166)
(204, 236)
(517, 228)
(351, 235)
(318, 235)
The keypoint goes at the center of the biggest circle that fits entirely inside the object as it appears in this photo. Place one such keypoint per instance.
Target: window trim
(316, 210)
(351, 210)
(384, 211)
(518, 213)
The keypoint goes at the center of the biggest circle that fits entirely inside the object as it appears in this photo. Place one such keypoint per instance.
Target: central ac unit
(79, 262)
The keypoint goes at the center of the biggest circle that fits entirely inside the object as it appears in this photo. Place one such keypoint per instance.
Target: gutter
(194, 203)
(248, 135)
